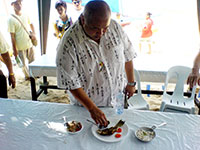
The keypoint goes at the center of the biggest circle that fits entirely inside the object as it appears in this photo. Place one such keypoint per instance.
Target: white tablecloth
(29, 125)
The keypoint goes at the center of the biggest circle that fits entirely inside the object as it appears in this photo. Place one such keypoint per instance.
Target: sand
(23, 89)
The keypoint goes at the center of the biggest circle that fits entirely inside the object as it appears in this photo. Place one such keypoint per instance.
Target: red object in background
(146, 31)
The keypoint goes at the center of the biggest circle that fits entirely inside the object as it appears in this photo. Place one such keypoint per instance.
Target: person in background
(4, 47)
(121, 21)
(78, 9)
(194, 77)
(21, 42)
(64, 22)
(93, 58)
(147, 32)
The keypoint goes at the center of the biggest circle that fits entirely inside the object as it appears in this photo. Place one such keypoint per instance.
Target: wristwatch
(131, 83)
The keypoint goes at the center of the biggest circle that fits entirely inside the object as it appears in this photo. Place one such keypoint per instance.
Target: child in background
(64, 22)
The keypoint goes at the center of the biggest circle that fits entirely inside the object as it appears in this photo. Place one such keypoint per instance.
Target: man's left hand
(130, 90)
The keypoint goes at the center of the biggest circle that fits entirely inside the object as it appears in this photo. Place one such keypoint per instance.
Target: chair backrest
(181, 73)
(137, 78)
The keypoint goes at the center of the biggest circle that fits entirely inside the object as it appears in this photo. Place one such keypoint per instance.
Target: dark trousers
(3, 86)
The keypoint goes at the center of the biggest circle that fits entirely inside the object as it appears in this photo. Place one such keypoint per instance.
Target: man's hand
(193, 79)
(129, 90)
(98, 116)
(12, 81)
(33, 36)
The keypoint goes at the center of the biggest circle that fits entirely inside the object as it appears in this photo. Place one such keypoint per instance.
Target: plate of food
(73, 127)
(115, 132)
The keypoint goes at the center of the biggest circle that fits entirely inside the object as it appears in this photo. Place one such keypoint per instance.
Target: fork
(98, 125)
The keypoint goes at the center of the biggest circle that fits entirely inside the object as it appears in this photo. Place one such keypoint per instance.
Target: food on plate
(145, 135)
(111, 130)
(118, 135)
(119, 130)
(102, 126)
(73, 126)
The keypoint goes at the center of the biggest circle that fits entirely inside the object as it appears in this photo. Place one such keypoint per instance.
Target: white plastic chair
(177, 102)
(137, 101)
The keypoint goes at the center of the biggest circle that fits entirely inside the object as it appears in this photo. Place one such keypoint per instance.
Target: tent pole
(44, 12)
(198, 14)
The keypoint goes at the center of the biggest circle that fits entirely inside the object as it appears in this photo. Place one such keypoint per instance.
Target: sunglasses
(76, 2)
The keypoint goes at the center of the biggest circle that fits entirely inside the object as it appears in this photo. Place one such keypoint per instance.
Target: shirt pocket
(116, 53)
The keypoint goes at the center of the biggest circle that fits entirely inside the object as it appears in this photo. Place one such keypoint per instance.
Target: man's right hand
(98, 116)
(193, 78)
(12, 81)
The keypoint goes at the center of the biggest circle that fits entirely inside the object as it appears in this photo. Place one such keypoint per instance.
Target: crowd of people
(94, 54)
(22, 33)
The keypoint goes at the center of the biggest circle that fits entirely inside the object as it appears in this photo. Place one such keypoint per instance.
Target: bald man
(92, 58)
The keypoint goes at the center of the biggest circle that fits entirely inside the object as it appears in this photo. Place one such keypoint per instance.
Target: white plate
(110, 138)
(76, 131)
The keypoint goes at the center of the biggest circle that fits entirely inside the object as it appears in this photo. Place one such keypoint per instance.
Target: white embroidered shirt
(97, 68)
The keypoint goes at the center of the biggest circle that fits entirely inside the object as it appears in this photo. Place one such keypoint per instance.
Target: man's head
(77, 4)
(13, 1)
(148, 15)
(17, 5)
(96, 19)
(61, 7)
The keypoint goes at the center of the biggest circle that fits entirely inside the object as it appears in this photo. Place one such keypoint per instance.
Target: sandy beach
(23, 91)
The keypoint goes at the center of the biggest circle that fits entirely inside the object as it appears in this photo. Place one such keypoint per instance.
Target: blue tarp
(114, 4)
